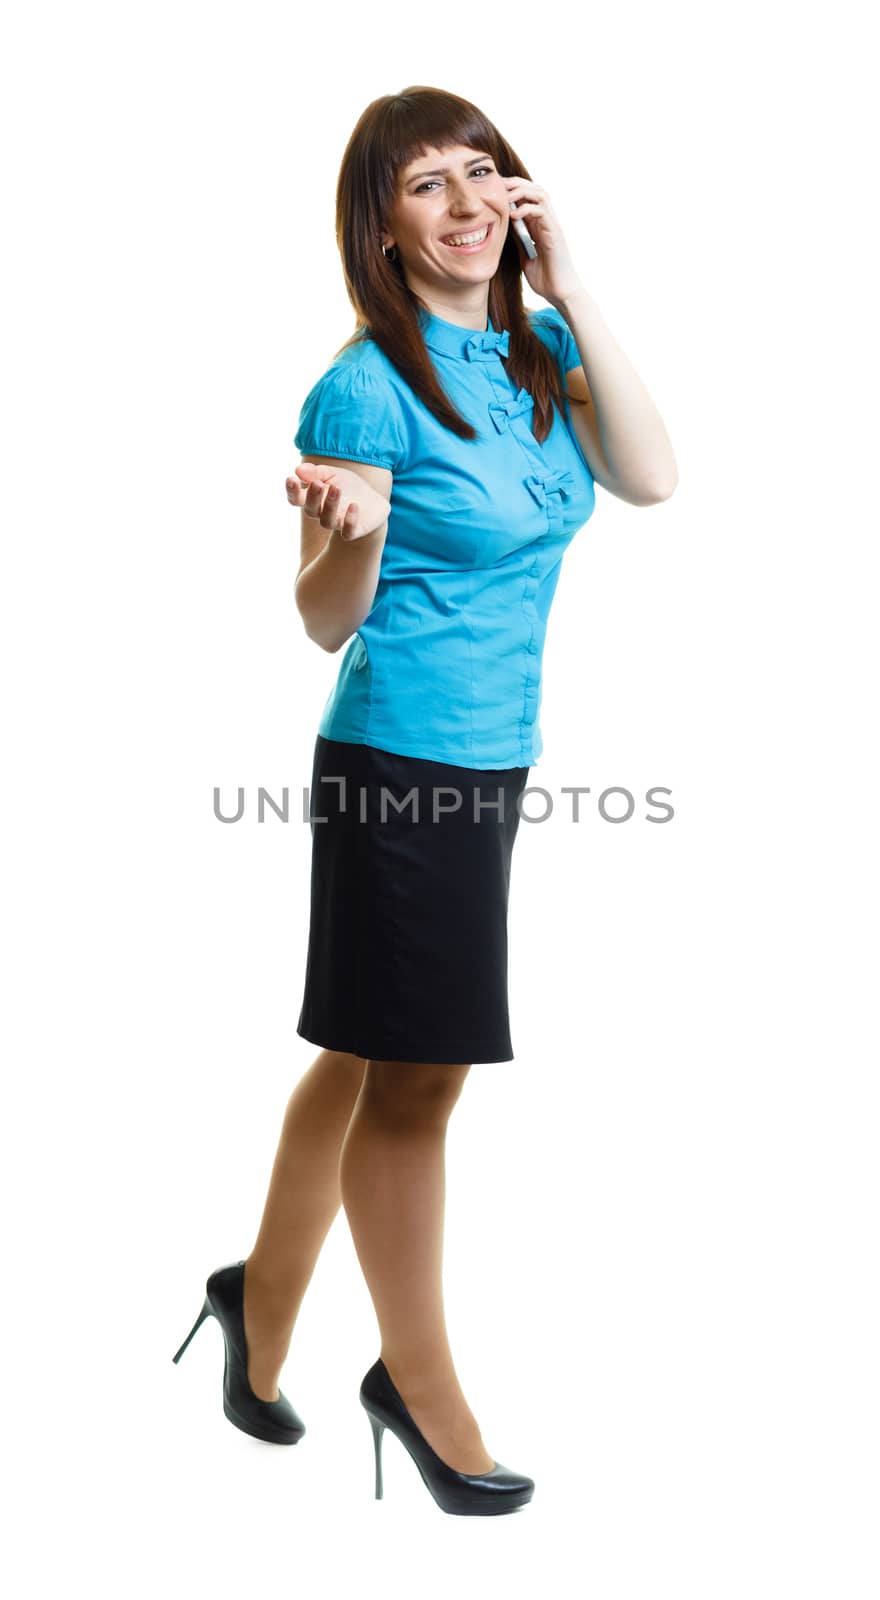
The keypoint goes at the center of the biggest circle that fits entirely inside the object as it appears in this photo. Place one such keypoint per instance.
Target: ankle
(431, 1389)
(421, 1363)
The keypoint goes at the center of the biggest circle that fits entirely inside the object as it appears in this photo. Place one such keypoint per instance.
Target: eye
(434, 180)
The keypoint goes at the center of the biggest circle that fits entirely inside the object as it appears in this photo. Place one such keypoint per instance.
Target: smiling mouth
(466, 249)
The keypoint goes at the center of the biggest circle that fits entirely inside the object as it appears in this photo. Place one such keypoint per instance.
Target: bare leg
(392, 1171)
(303, 1199)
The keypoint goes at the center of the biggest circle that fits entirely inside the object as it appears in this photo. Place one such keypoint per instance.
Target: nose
(463, 200)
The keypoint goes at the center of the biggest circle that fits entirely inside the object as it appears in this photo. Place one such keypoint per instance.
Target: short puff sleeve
(353, 414)
(561, 338)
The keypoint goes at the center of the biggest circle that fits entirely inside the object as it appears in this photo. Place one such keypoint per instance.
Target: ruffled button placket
(548, 488)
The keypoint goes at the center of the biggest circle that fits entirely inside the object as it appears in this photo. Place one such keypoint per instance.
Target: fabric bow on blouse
(550, 483)
(483, 346)
(502, 412)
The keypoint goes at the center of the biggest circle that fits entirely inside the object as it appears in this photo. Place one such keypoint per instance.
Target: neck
(467, 309)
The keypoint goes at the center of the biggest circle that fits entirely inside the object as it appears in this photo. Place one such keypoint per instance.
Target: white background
(661, 1236)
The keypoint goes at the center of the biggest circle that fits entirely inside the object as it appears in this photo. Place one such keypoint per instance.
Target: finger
(349, 522)
(312, 502)
(330, 509)
(533, 213)
(315, 489)
(339, 514)
(308, 476)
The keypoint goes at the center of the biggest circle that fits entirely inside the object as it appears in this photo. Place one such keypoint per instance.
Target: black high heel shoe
(462, 1493)
(272, 1420)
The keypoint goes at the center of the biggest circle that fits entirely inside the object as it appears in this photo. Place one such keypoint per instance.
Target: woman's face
(466, 197)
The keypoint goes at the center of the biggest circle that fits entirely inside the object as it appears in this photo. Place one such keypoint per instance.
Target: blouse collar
(448, 339)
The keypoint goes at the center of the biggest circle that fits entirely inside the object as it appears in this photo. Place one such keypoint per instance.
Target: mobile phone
(528, 241)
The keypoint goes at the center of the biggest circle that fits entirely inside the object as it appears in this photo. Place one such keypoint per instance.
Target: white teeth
(467, 238)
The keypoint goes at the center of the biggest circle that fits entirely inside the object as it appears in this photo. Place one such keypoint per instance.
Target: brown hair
(389, 134)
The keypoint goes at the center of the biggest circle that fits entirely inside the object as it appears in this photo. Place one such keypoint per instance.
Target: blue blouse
(447, 665)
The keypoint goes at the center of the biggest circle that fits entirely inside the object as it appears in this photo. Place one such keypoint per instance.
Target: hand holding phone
(549, 270)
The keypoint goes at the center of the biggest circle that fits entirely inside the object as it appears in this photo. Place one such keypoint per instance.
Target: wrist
(570, 298)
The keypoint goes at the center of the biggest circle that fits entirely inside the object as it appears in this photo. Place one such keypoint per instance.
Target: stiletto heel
(272, 1420)
(461, 1493)
(378, 1430)
(205, 1312)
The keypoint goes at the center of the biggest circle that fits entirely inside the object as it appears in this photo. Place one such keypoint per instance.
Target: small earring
(386, 255)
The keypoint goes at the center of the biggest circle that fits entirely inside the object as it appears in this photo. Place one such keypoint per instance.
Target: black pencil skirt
(410, 876)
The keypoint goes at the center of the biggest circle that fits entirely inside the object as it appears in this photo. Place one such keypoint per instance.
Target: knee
(414, 1091)
(348, 1059)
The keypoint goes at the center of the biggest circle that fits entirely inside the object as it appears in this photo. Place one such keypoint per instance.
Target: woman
(444, 472)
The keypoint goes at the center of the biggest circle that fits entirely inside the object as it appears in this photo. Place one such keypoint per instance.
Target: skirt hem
(464, 1051)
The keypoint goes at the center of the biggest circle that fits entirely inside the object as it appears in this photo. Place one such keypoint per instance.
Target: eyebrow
(440, 172)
